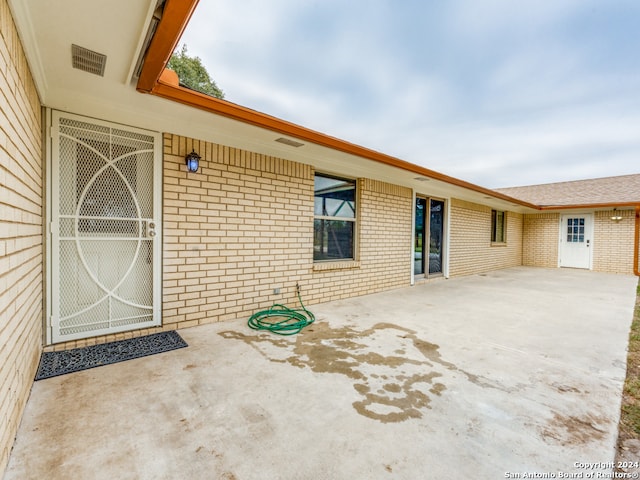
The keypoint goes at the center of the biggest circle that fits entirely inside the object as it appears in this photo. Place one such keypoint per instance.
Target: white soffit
(48, 29)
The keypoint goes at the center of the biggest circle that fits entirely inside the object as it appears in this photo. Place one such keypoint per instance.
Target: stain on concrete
(437, 388)
(392, 387)
(257, 421)
(565, 388)
(574, 430)
(391, 368)
(228, 476)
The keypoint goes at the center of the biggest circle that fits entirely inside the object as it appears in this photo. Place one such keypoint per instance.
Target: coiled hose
(281, 319)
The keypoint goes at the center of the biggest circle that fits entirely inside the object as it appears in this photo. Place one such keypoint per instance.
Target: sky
(495, 92)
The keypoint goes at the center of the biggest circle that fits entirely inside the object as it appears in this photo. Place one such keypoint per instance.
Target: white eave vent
(88, 60)
(288, 141)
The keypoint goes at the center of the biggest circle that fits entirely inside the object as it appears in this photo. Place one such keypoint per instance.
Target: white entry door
(105, 228)
(575, 241)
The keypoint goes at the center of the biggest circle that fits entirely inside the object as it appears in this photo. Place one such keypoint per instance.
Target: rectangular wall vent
(88, 60)
(288, 141)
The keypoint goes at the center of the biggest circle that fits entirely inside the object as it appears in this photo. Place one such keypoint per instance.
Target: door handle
(151, 229)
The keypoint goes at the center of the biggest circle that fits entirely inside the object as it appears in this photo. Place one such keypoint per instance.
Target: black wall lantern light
(193, 161)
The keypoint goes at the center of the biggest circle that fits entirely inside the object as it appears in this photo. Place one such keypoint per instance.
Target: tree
(193, 74)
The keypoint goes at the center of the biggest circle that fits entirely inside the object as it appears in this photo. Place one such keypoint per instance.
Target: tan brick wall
(21, 245)
(471, 250)
(233, 232)
(243, 226)
(540, 240)
(613, 242)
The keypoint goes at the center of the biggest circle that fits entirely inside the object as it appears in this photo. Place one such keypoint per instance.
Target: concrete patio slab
(515, 372)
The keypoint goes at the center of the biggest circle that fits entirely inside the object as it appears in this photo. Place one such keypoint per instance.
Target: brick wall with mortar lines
(233, 232)
(471, 250)
(243, 226)
(613, 242)
(386, 225)
(540, 244)
(21, 234)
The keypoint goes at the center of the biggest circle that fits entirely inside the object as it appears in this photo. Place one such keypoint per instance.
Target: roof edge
(167, 89)
(589, 205)
(175, 17)
(566, 182)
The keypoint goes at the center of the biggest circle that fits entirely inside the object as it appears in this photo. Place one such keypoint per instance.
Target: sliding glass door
(436, 233)
(419, 240)
(429, 235)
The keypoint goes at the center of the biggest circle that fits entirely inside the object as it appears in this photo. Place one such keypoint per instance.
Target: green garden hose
(282, 320)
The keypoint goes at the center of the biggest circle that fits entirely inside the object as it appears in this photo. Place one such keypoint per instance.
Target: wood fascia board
(589, 205)
(253, 117)
(175, 17)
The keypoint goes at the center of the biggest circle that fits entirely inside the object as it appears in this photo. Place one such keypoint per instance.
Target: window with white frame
(334, 219)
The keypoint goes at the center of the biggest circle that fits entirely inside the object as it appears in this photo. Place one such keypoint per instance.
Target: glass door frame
(426, 238)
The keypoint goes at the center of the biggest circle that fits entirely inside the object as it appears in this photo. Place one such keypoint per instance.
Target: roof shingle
(624, 189)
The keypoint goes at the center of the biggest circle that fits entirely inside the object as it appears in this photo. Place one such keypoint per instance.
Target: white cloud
(496, 92)
(581, 144)
(489, 18)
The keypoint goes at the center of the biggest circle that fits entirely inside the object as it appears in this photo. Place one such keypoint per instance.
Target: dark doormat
(53, 364)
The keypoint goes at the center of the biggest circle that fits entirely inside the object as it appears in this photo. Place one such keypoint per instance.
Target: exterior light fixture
(193, 161)
(616, 216)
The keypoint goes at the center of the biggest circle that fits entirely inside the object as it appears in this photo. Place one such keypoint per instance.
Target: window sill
(498, 244)
(335, 265)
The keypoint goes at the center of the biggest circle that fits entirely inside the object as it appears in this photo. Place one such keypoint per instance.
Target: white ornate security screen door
(105, 228)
